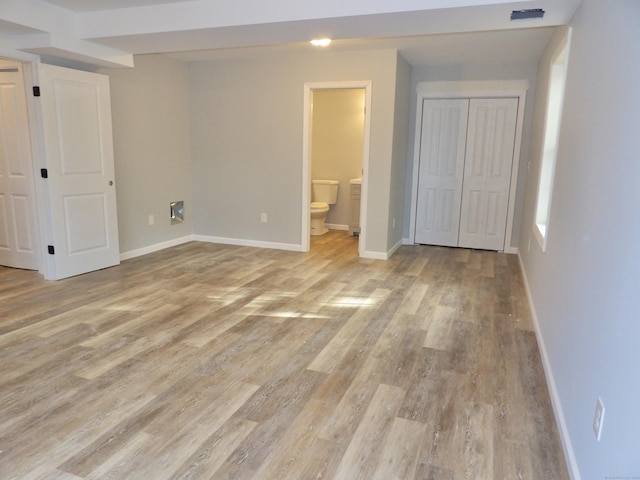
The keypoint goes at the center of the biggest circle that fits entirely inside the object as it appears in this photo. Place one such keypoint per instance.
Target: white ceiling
(426, 32)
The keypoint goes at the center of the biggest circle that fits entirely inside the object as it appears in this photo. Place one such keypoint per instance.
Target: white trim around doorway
(471, 89)
(306, 156)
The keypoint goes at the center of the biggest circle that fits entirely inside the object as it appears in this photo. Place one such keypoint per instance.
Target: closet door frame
(480, 89)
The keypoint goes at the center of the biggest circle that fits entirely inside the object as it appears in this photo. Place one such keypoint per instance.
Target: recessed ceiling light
(321, 42)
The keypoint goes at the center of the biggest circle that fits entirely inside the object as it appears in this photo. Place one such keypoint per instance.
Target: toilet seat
(319, 206)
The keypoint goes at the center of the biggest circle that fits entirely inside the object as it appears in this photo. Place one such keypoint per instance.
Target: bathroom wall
(336, 144)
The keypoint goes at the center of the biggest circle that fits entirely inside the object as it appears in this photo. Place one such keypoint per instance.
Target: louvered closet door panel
(487, 173)
(442, 150)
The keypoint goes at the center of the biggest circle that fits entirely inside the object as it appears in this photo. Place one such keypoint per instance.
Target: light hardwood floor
(208, 361)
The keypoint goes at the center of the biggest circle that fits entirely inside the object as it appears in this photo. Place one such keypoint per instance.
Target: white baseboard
(336, 226)
(382, 255)
(393, 249)
(513, 250)
(243, 243)
(154, 248)
(374, 255)
(570, 457)
(248, 243)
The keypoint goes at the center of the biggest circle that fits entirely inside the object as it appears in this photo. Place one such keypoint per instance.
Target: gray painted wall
(246, 134)
(399, 165)
(150, 111)
(585, 286)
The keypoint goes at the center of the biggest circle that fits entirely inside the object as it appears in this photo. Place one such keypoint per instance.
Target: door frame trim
(306, 156)
(471, 89)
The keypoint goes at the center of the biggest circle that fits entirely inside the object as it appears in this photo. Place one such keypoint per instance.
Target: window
(557, 76)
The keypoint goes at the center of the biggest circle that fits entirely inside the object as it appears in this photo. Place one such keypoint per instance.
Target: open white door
(18, 236)
(78, 144)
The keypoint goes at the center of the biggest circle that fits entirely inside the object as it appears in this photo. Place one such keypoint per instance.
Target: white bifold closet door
(464, 177)
(442, 148)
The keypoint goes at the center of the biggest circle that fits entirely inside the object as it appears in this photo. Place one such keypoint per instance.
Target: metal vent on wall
(177, 212)
(526, 14)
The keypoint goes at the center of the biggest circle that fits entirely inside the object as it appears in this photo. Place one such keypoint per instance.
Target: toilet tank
(325, 191)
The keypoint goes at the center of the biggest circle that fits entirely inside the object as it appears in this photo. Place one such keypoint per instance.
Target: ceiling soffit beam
(399, 24)
(210, 14)
(56, 45)
(204, 14)
(39, 28)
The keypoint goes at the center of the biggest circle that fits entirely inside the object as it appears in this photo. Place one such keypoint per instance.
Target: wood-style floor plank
(207, 361)
(362, 456)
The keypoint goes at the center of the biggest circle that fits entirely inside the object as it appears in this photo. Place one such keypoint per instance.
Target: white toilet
(323, 194)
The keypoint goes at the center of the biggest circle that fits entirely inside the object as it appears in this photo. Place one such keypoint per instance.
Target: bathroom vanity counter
(355, 185)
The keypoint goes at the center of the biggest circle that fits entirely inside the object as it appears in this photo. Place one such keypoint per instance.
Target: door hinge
(51, 250)
(44, 173)
(36, 91)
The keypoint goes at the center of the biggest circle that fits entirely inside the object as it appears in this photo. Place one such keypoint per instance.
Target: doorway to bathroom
(336, 147)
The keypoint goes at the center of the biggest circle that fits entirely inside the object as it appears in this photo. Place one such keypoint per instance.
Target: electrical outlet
(598, 419)
(152, 220)
(263, 217)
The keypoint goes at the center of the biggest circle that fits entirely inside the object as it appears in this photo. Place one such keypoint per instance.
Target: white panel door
(440, 175)
(18, 242)
(487, 172)
(76, 114)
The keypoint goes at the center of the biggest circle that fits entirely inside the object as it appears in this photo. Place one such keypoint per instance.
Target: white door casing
(18, 231)
(515, 89)
(440, 175)
(465, 172)
(487, 173)
(307, 125)
(78, 149)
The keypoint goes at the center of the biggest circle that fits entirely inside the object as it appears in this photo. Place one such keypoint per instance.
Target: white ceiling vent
(526, 14)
